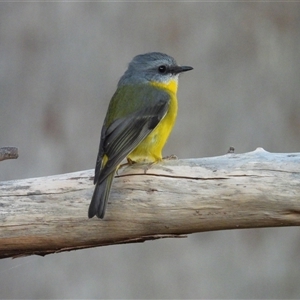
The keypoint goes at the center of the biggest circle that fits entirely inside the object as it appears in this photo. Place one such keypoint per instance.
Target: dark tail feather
(100, 197)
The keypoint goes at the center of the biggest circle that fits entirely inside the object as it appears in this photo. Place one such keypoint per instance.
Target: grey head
(153, 66)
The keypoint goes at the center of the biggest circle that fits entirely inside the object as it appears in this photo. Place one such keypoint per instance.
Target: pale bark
(173, 198)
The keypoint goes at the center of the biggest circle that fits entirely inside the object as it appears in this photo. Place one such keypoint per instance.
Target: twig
(8, 153)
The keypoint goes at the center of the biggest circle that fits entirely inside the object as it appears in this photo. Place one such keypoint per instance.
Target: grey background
(59, 66)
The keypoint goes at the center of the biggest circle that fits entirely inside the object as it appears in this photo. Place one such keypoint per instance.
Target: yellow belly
(150, 149)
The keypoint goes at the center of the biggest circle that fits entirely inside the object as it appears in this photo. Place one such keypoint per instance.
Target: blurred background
(59, 66)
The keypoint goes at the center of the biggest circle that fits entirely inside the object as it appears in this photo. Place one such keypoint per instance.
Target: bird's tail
(100, 197)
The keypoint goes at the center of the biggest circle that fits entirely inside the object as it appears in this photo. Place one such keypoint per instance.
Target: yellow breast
(150, 149)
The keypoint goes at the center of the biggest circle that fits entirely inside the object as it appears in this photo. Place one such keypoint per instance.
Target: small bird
(139, 120)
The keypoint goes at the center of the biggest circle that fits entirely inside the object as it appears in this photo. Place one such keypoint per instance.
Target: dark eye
(162, 69)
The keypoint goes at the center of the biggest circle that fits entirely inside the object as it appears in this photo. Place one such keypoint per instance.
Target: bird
(138, 122)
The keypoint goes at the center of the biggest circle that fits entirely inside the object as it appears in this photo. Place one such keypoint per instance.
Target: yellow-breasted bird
(139, 120)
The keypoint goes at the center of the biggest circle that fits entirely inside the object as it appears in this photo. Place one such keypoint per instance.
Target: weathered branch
(8, 153)
(174, 198)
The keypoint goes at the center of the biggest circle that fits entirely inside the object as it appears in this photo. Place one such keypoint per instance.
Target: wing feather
(124, 134)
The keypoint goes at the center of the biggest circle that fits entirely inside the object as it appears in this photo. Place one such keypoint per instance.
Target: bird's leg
(129, 162)
(146, 168)
(149, 165)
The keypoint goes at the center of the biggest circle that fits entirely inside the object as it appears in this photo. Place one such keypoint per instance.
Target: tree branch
(174, 198)
(8, 153)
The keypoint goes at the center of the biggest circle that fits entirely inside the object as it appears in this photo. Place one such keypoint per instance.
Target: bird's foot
(171, 157)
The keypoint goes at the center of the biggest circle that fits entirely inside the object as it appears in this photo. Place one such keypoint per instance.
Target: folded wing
(124, 134)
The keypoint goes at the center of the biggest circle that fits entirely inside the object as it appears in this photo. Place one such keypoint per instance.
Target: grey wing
(124, 135)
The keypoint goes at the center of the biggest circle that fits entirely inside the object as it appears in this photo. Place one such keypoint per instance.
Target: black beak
(180, 69)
